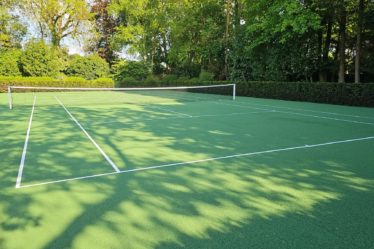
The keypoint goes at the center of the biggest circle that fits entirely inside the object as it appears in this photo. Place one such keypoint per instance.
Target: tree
(105, 24)
(342, 40)
(12, 30)
(131, 69)
(9, 62)
(88, 67)
(39, 59)
(58, 19)
(360, 14)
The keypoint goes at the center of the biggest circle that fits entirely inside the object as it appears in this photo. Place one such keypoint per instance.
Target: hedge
(332, 93)
(52, 82)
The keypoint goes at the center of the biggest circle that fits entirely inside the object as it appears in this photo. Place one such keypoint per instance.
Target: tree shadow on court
(280, 200)
(221, 205)
(232, 203)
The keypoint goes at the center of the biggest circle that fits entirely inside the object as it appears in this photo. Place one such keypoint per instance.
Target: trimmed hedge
(331, 93)
(161, 83)
(52, 82)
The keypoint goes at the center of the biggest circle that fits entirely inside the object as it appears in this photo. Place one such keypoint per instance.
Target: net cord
(118, 89)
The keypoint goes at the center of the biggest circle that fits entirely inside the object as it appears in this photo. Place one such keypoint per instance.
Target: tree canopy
(290, 40)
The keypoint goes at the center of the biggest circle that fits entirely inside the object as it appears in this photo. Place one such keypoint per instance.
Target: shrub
(88, 67)
(9, 62)
(39, 59)
(206, 76)
(170, 79)
(52, 82)
(135, 69)
(333, 93)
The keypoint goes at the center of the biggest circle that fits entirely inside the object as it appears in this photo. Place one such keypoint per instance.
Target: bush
(135, 69)
(170, 79)
(332, 93)
(39, 59)
(52, 82)
(206, 76)
(9, 62)
(88, 67)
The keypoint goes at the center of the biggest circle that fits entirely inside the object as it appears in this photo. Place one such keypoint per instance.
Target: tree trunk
(361, 6)
(320, 41)
(227, 36)
(342, 38)
(326, 49)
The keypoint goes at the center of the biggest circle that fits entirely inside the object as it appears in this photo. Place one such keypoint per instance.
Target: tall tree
(360, 13)
(105, 24)
(58, 19)
(12, 30)
(342, 40)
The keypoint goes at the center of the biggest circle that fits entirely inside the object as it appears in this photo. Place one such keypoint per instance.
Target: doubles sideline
(295, 113)
(22, 163)
(307, 110)
(205, 160)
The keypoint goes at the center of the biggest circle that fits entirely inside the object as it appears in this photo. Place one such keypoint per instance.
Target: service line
(306, 146)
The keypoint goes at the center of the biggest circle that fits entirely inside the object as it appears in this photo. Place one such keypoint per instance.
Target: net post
(10, 98)
(234, 92)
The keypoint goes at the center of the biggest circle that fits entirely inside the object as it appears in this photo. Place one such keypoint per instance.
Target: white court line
(299, 114)
(167, 110)
(89, 137)
(178, 117)
(204, 160)
(307, 110)
(22, 163)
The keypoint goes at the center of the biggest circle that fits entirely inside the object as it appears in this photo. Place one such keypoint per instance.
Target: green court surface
(79, 171)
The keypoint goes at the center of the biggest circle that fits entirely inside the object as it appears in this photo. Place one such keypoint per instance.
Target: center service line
(89, 137)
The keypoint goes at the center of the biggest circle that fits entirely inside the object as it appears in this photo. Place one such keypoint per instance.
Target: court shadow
(317, 198)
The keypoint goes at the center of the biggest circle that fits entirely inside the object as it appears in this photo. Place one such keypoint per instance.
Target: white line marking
(89, 137)
(307, 110)
(299, 114)
(167, 110)
(205, 160)
(22, 163)
(177, 117)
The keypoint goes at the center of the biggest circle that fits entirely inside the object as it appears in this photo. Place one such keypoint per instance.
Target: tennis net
(23, 95)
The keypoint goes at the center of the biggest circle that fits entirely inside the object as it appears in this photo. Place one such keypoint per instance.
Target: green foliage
(136, 69)
(58, 19)
(9, 62)
(88, 67)
(39, 59)
(11, 29)
(52, 82)
(170, 78)
(206, 76)
(333, 93)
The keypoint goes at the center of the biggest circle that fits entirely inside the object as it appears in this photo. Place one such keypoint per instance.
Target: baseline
(114, 166)
(306, 146)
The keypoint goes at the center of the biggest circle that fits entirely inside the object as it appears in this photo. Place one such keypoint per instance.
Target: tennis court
(164, 169)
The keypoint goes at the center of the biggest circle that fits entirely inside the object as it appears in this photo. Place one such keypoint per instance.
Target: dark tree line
(288, 40)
